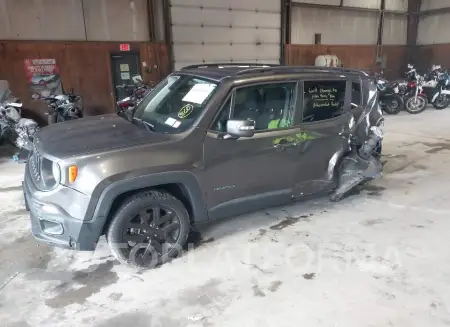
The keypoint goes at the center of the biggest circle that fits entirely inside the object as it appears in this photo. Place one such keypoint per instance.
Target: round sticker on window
(185, 111)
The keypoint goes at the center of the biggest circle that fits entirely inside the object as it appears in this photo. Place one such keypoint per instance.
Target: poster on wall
(43, 76)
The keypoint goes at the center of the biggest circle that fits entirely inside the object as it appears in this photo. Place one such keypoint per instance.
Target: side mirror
(241, 128)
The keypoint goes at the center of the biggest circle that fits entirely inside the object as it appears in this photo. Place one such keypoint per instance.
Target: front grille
(35, 165)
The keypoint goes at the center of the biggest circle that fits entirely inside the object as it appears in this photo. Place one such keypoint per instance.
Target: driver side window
(270, 106)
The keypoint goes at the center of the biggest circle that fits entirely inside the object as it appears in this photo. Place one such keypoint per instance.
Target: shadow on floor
(6, 152)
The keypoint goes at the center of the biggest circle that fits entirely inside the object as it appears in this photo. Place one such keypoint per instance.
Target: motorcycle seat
(394, 84)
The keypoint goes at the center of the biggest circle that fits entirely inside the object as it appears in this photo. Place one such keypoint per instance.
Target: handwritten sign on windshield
(324, 97)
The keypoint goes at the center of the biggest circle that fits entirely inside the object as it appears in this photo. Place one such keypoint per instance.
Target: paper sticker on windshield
(199, 93)
(170, 121)
(185, 111)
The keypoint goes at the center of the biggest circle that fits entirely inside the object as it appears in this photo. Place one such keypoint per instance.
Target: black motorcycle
(388, 98)
(62, 107)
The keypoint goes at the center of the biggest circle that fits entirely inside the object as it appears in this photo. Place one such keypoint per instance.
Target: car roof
(218, 72)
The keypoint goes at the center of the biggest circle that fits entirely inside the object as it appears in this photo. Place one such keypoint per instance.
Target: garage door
(223, 31)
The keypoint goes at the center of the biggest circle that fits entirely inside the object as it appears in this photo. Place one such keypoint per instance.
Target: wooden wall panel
(434, 54)
(355, 56)
(84, 66)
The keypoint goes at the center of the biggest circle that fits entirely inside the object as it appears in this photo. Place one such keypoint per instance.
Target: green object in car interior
(283, 123)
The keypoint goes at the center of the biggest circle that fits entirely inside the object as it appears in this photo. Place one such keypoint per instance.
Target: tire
(416, 109)
(394, 106)
(439, 105)
(130, 247)
(52, 118)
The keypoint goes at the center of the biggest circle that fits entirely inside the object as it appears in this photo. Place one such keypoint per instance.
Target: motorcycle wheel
(441, 102)
(54, 118)
(415, 107)
(393, 106)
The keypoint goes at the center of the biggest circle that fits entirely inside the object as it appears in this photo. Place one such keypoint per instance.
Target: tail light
(412, 84)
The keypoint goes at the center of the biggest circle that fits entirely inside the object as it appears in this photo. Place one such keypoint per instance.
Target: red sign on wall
(124, 47)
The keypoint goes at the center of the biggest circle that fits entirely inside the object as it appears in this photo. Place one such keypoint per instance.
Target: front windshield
(175, 104)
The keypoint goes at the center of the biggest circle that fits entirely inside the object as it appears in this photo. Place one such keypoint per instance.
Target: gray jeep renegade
(210, 141)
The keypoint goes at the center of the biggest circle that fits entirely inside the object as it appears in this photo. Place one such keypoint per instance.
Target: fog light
(51, 227)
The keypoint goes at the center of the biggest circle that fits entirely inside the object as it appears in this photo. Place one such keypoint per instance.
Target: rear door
(325, 118)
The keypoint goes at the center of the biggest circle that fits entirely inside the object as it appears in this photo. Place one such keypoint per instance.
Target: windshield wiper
(148, 126)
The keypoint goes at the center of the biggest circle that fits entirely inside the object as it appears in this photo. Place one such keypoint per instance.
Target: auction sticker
(185, 111)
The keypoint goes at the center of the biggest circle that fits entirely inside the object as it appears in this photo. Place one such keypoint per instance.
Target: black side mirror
(241, 128)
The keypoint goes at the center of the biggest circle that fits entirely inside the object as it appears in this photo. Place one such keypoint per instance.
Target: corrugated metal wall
(106, 20)
(434, 4)
(346, 26)
(225, 31)
(336, 26)
(394, 30)
(434, 29)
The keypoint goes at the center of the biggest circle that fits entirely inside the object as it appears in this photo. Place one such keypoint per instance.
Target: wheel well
(178, 190)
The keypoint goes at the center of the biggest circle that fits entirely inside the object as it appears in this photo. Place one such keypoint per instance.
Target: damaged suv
(210, 141)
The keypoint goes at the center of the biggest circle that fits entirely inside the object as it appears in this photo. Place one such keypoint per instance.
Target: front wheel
(416, 106)
(393, 105)
(149, 229)
(441, 102)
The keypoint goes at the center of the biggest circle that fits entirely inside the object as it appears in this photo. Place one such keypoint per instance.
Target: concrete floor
(379, 258)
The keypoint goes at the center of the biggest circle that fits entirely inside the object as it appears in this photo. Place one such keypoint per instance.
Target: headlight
(50, 173)
(56, 172)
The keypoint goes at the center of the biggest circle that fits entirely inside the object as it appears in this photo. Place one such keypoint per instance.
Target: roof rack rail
(230, 64)
(301, 68)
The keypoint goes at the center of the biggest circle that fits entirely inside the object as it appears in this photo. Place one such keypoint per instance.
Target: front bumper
(53, 225)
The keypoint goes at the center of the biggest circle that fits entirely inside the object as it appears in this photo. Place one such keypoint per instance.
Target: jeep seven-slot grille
(35, 167)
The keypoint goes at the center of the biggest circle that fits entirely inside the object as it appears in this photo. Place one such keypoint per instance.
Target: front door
(249, 173)
(124, 67)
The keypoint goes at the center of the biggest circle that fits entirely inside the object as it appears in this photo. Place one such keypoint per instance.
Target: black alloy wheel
(148, 230)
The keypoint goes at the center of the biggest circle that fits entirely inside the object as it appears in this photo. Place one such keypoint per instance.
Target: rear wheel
(149, 229)
(416, 106)
(441, 102)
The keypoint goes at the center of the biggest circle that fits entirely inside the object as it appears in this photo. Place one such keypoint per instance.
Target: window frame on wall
(347, 96)
(231, 96)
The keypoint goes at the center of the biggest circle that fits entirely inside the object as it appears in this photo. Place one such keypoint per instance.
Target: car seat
(274, 106)
(246, 104)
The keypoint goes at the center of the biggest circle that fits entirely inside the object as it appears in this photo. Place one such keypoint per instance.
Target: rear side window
(356, 94)
(323, 100)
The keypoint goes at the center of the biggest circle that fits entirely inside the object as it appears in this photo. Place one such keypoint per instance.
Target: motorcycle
(415, 99)
(389, 100)
(434, 86)
(62, 107)
(13, 128)
(441, 97)
(139, 91)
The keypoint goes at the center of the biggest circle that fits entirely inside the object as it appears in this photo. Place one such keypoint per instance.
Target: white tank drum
(327, 61)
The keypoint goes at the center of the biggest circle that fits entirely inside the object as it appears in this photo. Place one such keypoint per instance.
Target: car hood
(92, 135)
